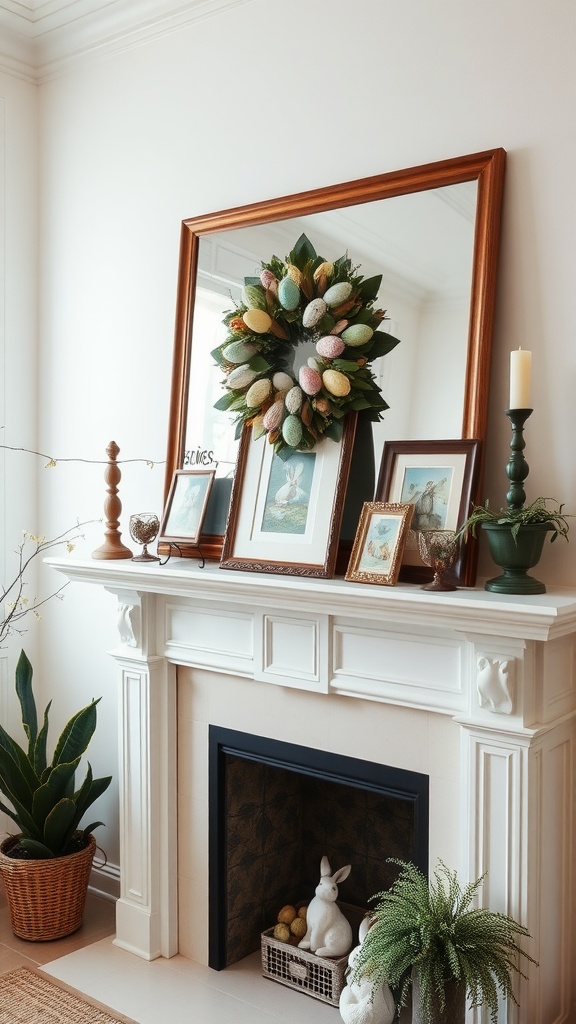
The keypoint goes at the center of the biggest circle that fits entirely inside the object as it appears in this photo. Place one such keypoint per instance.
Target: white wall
(18, 330)
(264, 100)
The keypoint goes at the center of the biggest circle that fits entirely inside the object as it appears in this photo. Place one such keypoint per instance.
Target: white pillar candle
(520, 379)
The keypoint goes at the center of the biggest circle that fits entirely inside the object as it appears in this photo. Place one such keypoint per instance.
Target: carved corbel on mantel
(494, 682)
(129, 623)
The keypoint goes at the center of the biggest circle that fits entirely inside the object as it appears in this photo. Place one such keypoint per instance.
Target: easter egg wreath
(303, 299)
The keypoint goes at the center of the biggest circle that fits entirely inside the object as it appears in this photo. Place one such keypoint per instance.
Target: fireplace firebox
(276, 808)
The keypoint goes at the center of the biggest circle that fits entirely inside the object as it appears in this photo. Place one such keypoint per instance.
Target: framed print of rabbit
(285, 513)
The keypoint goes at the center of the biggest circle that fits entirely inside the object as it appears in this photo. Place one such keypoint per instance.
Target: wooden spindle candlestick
(112, 546)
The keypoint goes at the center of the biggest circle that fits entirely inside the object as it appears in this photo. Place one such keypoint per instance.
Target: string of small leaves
(304, 298)
(432, 927)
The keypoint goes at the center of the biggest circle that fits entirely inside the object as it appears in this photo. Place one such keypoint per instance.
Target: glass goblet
(438, 549)
(144, 528)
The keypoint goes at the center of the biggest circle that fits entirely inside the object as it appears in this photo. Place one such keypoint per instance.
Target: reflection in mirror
(423, 246)
(431, 231)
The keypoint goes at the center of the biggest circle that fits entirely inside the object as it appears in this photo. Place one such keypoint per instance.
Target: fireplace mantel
(500, 669)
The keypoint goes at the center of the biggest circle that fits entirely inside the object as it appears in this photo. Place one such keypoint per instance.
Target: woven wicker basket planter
(46, 897)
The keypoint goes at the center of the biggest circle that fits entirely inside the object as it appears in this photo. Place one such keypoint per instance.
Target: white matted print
(285, 515)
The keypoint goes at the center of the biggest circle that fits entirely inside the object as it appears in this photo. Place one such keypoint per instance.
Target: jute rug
(28, 997)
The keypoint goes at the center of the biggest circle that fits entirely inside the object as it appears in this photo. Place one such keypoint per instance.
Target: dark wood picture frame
(254, 548)
(399, 455)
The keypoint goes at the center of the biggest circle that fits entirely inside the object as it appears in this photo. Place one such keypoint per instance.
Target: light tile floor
(177, 990)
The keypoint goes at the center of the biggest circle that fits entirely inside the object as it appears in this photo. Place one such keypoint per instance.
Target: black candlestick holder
(517, 469)
(518, 552)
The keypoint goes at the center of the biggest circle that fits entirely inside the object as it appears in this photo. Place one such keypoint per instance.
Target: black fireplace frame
(351, 771)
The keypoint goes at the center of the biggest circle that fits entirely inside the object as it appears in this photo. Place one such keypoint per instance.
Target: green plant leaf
(37, 849)
(89, 791)
(26, 698)
(76, 735)
(56, 787)
(17, 778)
(58, 824)
(40, 762)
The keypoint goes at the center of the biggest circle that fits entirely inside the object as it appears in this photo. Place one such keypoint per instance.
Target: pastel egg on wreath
(282, 381)
(336, 383)
(258, 392)
(288, 294)
(258, 320)
(293, 399)
(357, 334)
(314, 312)
(292, 431)
(273, 416)
(241, 377)
(253, 297)
(239, 352)
(310, 380)
(315, 364)
(330, 347)
(324, 270)
(294, 273)
(268, 279)
(338, 293)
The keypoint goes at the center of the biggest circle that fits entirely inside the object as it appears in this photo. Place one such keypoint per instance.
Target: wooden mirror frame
(487, 168)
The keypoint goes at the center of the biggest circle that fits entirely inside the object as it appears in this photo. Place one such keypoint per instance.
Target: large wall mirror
(431, 231)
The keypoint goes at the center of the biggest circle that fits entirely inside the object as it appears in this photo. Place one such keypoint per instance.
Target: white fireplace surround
(476, 689)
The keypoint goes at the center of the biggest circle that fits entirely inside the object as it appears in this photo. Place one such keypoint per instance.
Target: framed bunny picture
(285, 513)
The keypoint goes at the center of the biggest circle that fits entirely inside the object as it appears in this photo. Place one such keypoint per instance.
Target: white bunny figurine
(328, 933)
(291, 490)
(360, 1002)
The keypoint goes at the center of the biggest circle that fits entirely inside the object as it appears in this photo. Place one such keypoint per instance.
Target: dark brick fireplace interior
(276, 808)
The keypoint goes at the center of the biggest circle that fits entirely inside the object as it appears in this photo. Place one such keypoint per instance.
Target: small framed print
(440, 479)
(186, 506)
(379, 543)
(285, 514)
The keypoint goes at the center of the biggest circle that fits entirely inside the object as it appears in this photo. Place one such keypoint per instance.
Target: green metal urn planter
(516, 538)
(515, 555)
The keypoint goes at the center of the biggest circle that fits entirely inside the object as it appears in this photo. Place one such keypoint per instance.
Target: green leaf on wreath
(334, 430)
(224, 403)
(380, 345)
(360, 403)
(218, 357)
(369, 288)
(347, 365)
(302, 252)
(258, 364)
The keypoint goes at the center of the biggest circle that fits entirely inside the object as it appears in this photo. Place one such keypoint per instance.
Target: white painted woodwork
(497, 670)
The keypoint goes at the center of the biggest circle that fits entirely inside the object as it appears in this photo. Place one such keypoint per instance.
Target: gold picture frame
(379, 543)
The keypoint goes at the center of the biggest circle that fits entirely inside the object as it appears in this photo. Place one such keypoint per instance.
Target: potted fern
(516, 536)
(428, 940)
(46, 866)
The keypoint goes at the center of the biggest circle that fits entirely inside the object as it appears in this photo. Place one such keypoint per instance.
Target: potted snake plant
(428, 941)
(46, 865)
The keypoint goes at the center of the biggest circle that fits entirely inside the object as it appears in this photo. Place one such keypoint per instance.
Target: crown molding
(42, 39)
